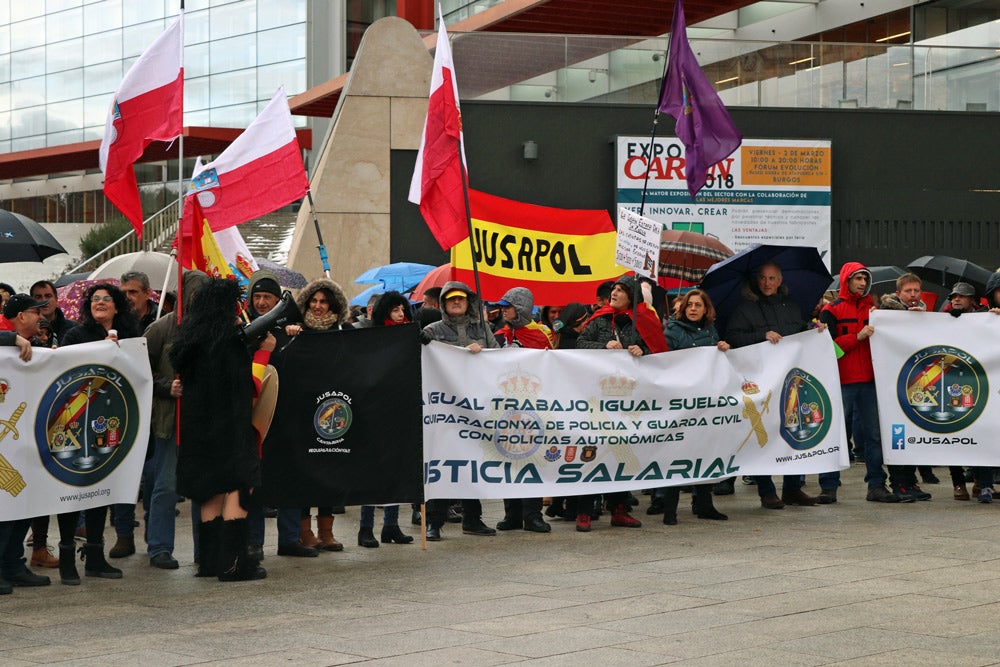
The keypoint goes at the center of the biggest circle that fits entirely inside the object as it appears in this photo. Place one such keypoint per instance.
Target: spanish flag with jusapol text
(561, 255)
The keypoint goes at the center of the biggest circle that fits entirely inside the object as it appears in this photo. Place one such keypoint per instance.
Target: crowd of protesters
(216, 466)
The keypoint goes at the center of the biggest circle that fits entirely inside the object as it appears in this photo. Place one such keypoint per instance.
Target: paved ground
(849, 584)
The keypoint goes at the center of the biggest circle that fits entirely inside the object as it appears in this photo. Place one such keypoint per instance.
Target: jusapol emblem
(86, 424)
(805, 410)
(942, 389)
(333, 418)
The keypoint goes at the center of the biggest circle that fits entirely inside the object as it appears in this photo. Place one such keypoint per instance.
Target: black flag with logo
(347, 424)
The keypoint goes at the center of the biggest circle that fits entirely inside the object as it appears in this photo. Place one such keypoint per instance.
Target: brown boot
(43, 557)
(327, 542)
(306, 534)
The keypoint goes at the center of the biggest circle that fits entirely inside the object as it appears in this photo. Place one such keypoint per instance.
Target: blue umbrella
(802, 269)
(400, 276)
(362, 299)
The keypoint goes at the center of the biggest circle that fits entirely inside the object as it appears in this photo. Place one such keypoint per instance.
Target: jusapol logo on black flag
(333, 417)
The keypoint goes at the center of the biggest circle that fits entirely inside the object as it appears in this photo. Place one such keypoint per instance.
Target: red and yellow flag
(561, 255)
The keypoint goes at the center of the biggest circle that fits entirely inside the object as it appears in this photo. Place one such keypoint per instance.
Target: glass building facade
(61, 61)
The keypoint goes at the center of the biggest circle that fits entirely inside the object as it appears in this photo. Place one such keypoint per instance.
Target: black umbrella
(802, 269)
(946, 271)
(24, 240)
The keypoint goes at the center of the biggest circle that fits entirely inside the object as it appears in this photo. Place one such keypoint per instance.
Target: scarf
(320, 323)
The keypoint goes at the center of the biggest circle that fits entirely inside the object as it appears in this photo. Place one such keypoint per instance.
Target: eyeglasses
(98, 299)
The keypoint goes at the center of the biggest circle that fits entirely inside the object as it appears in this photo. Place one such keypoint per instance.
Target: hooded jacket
(523, 331)
(464, 330)
(992, 285)
(338, 307)
(845, 317)
(757, 314)
(608, 324)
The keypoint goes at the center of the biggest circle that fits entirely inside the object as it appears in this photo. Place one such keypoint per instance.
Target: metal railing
(156, 230)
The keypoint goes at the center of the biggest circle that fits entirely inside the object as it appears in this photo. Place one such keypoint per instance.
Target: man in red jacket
(847, 320)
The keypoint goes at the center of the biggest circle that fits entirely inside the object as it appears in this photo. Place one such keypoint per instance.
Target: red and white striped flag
(438, 174)
(148, 106)
(259, 172)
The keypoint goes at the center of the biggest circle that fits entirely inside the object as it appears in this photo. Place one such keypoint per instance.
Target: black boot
(208, 547)
(94, 564)
(671, 496)
(367, 539)
(236, 561)
(703, 506)
(392, 534)
(511, 516)
(67, 565)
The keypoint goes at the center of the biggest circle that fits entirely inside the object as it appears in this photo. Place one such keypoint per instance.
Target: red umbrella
(688, 255)
(436, 278)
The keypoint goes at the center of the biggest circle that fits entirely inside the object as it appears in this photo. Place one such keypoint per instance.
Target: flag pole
(319, 236)
(178, 304)
(649, 159)
(472, 244)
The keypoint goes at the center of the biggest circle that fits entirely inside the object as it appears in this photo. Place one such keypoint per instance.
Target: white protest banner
(769, 191)
(935, 375)
(525, 423)
(74, 425)
(638, 243)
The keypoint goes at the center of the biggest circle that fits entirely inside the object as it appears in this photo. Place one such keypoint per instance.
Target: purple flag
(703, 123)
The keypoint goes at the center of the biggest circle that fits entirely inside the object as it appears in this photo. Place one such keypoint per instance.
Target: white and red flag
(148, 106)
(437, 184)
(259, 172)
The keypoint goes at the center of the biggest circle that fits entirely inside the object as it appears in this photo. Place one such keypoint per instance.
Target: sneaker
(583, 523)
(986, 495)
(903, 493)
(478, 528)
(961, 493)
(622, 518)
(919, 493)
(880, 494)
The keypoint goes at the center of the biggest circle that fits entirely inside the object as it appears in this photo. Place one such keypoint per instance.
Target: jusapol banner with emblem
(74, 426)
(526, 423)
(934, 387)
(346, 428)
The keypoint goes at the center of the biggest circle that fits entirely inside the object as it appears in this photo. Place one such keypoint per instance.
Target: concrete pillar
(382, 108)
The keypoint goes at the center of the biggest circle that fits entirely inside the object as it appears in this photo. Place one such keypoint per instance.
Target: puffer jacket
(683, 334)
(460, 331)
(757, 314)
(846, 316)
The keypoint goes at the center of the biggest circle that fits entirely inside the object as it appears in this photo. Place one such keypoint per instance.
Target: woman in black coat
(218, 463)
(105, 315)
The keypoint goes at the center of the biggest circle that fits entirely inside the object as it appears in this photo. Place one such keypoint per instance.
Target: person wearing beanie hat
(620, 326)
